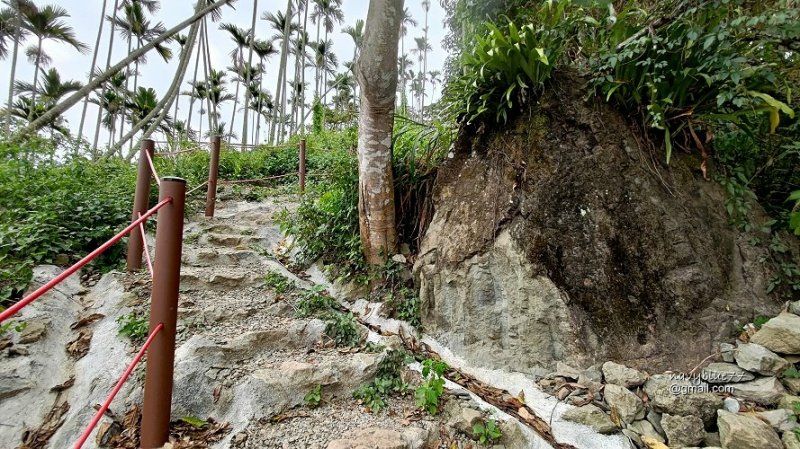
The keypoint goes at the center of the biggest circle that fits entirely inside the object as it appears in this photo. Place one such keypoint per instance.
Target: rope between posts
(196, 188)
(244, 181)
(152, 167)
(146, 250)
(125, 375)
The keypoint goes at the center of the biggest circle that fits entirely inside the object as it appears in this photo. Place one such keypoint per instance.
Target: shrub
(388, 382)
(314, 397)
(430, 392)
(133, 326)
(342, 329)
(487, 432)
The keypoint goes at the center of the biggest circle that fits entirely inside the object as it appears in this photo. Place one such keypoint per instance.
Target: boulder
(724, 373)
(591, 416)
(564, 370)
(780, 419)
(683, 431)
(727, 351)
(33, 332)
(794, 307)
(787, 401)
(765, 390)
(622, 375)
(792, 384)
(790, 440)
(645, 428)
(628, 405)
(780, 334)
(746, 432)
(465, 420)
(680, 396)
(758, 359)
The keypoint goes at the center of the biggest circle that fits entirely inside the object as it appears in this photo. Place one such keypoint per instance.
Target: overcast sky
(85, 18)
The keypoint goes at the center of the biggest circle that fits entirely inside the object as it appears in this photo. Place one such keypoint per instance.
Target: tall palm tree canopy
(47, 23)
(135, 25)
(50, 87)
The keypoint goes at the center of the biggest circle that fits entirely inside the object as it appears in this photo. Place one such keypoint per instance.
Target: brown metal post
(140, 201)
(163, 309)
(303, 166)
(213, 174)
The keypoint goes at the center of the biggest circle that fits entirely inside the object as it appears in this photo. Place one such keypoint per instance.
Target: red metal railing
(96, 419)
(88, 258)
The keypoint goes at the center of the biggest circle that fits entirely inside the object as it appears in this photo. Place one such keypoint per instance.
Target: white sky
(85, 17)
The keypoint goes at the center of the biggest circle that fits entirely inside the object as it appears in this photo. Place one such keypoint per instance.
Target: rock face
(683, 431)
(556, 239)
(745, 432)
(758, 359)
(591, 416)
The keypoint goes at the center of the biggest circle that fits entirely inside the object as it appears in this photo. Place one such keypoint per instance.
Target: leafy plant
(791, 373)
(133, 326)
(17, 326)
(759, 321)
(508, 63)
(194, 421)
(314, 397)
(342, 329)
(487, 432)
(278, 282)
(313, 300)
(794, 218)
(430, 392)
(387, 382)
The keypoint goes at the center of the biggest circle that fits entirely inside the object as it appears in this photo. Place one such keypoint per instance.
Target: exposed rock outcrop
(560, 238)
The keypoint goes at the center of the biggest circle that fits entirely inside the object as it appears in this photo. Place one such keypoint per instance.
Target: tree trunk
(35, 80)
(108, 64)
(278, 111)
(91, 86)
(249, 74)
(210, 107)
(125, 94)
(377, 76)
(236, 95)
(424, 70)
(194, 79)
(303, 69)
(91, 69)
(17, 37)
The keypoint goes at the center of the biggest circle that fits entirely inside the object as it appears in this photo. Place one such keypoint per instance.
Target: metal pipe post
(141, 199)
(303, 166)
(163, 310)
(213, 174)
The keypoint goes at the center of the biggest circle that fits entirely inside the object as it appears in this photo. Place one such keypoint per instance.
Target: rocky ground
(248, 359)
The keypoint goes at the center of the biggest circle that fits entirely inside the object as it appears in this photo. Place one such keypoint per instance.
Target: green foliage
(49, 209)
(791, 373)
(398, 294)
(430, 392)
(194, 421)
(507, 64)
(760, 321)
(314, 397)
(342, 329)
(794, 217)
(278, 282)
(487, 432)
(17, 326)
(388, 382)
(699, 67)
(314, 300)
(133, 326)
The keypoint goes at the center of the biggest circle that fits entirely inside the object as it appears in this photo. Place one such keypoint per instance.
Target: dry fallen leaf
(652, 443)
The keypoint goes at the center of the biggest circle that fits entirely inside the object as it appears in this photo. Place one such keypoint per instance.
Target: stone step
(219, 257)
(218, 278)
(232, 240)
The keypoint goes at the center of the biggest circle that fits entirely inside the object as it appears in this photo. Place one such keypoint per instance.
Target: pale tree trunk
(17, 38)
(108, 64)
(278, 111)
(212, 117)
(236, 95)
(377, 76)
(303, 68)
(76, 97)
(194, 79)
(249, 74)
(424, 70)
(162, 108)
(91, 69)
(35, 80)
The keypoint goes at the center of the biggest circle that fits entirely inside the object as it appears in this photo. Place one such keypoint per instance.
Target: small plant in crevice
(396, 291)
(342, 329)
(430, 392)
(314, 397)
(133, 326)
(194, 421)
(17, 326)
(278, 282)
(388, 382)
(487, 432)
(314, 300)
(791, 373)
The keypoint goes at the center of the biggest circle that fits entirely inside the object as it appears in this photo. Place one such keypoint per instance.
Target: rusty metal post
(163, 309)
(213, 174)
(140, 201)
(303, 166)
